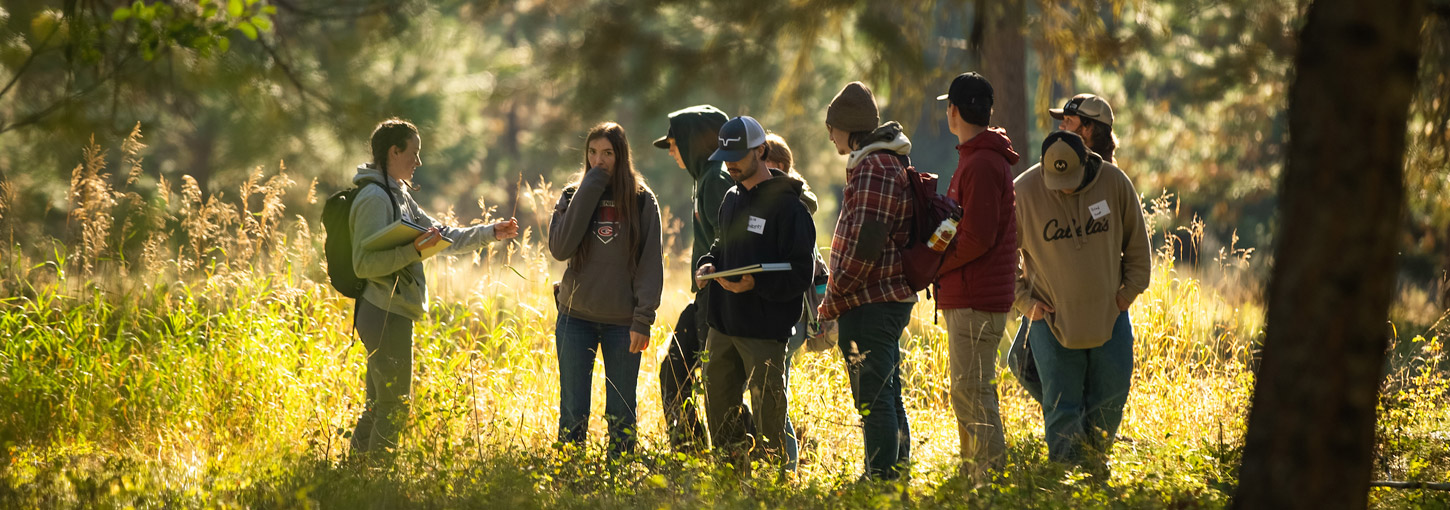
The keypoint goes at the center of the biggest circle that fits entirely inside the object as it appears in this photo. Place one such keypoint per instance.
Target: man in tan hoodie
(1085, 258)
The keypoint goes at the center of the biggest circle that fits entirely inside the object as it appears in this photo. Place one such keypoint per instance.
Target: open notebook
(403, 232)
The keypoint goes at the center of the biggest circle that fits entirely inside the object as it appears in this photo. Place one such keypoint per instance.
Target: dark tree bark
(1004, 63)
(1311, 427)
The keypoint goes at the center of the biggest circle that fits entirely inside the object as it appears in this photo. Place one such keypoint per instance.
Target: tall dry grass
(196, 348)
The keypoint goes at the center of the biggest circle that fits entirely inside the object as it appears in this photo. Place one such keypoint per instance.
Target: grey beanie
(854, 109)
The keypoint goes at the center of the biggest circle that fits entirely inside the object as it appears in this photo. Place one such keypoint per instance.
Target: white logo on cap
(1060, 165)
(726, 141)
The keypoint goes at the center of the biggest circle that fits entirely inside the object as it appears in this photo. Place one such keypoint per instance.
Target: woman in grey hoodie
(397, 291)
(607, 226)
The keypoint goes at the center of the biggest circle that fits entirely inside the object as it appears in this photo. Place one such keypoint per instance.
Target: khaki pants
(734, 364)
(972, 340)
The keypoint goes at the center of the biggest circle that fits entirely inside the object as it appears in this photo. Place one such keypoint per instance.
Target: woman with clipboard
(397, 290)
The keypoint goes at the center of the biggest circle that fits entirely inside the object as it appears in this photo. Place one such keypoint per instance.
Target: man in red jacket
(976, 279)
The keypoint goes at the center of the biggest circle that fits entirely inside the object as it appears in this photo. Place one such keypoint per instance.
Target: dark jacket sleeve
(713, 187)
(573, 214)
(649, 274)
(724, 211)
(798, 240)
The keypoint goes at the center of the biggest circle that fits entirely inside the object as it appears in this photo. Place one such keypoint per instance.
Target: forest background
(217, 106)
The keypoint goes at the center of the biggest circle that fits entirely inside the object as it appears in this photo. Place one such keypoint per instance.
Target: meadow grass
(191, 354)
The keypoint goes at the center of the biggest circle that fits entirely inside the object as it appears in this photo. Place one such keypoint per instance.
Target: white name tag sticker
(1099, 209)
(756, 225)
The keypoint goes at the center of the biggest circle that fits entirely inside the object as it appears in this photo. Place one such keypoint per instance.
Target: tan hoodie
(1081, 251)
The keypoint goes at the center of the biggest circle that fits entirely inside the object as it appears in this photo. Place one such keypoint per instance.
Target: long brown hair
(1102, 141)
(626, 182)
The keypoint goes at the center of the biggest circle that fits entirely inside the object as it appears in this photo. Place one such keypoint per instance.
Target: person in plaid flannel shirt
(868, 295)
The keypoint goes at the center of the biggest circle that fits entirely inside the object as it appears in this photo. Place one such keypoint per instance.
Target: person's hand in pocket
(1039, 310)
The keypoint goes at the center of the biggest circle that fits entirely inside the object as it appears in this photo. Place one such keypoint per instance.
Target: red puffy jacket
(980, 269)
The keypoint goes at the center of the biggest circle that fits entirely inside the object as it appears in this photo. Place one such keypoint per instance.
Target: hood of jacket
(366, 172)
(992, 140)
(780, 183)
(687, 127)
(890, 137)
(1092, 169)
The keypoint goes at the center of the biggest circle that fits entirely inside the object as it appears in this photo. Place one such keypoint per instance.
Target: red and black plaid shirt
(876, 190)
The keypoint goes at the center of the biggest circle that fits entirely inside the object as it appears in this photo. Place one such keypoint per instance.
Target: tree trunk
(1004, 63)
(1311, 426)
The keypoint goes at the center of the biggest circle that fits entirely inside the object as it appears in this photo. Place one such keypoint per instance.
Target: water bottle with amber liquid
(944, 233)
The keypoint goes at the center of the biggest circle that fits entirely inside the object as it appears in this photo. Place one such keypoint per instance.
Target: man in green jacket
(691, 139)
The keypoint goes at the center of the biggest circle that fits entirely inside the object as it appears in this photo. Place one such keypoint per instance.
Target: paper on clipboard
(403, 232)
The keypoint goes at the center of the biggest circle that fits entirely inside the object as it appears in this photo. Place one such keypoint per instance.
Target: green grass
(239, 389)
(217, 370)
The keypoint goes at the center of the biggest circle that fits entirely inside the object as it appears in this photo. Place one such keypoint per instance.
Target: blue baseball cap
(737, 138)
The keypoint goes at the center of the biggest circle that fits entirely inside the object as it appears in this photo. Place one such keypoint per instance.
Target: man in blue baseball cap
(752, 316)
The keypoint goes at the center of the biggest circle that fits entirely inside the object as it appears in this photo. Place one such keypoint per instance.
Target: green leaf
(248, 30)
(223, 44)
(516, 271)
(146, 13)
(234, 8)
(269, 9)
(262, 23)
(121, 14)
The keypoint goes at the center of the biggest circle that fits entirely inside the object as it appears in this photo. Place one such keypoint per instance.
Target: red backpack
(929, 209)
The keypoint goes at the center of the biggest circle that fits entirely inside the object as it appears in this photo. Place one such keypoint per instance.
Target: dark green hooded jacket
(696, 132)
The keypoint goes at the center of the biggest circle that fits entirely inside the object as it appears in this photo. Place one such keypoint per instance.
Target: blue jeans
(871, 342)
(577, 341)
(1083, 391)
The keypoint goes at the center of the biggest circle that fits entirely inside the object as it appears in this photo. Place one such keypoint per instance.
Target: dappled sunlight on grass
(200, 379)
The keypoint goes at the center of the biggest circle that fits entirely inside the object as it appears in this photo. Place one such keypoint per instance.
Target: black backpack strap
(356, 307)
(904, 159)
